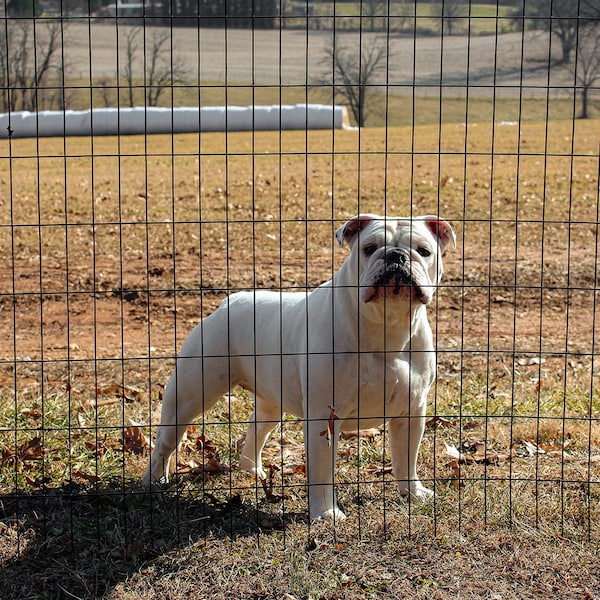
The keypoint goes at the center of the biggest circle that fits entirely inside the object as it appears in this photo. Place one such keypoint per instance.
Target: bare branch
(28, 56)
(355, 70)
(158, 69)
(131, 49)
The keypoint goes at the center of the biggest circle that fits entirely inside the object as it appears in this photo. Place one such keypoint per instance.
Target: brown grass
(115, 249)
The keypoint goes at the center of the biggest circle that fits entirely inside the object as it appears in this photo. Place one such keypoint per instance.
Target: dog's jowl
(360, 342)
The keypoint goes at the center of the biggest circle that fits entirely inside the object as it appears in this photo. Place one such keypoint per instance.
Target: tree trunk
(566, 52)
(361, 107)
(584, 103)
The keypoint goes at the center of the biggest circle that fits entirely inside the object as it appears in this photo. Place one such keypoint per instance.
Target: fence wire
(160, 156)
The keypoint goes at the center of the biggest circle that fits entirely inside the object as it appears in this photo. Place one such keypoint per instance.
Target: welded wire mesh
(158, 157)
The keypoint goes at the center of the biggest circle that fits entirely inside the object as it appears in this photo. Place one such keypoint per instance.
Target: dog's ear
(441, 229)
(349, 230)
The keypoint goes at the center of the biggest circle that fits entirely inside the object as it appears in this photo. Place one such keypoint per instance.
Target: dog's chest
(367, 381)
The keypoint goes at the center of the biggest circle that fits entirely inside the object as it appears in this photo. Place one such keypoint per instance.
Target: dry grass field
(115, 248)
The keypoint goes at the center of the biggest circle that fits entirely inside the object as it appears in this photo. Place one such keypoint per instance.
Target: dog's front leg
(406, 434)
(320, 439)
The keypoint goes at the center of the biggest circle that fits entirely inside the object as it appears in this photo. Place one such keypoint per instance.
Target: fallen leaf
(478, 454)
(206, 446)
(212, 465)
(31, 450)
(530, 361)
(471, 425)
(87, 476)
(348, 452)
(452, 451)
(315, 544)
(367, 434)
(534, 448)
(135, 441)
(330, 424)
(299, 470)
(437, 421)
(268, 485)
(35, 483)
(274, 522)
(102, 446)
(455, 479)
(28, 451)
(531, 448)
(31, 412)
(117, 393)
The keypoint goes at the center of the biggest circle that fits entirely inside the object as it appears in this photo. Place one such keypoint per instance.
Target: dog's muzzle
(400, 272)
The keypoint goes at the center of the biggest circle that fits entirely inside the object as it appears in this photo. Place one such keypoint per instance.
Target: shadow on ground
(79, 543)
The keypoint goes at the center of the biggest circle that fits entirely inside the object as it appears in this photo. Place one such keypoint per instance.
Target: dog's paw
(259, 474)
(331, 514)
(248, 465)
(149, 482)
(417, 491)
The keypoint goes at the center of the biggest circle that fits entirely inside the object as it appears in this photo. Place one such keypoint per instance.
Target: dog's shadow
(80, 542)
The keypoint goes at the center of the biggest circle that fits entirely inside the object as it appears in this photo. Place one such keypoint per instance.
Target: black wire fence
(159, 156)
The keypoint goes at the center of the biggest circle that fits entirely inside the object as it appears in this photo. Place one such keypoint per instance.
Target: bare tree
(586, 67)
(453, 11)
(373, 9)
(131, 47)
(355, 70)
(158, 68)
(29, 54)
(107, 92)
(561, 18)
(163, 67)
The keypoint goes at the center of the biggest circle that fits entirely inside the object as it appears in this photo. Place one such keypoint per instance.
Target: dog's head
(397, 257)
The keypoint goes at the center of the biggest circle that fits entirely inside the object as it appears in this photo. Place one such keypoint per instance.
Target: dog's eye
(424, 252)
(370, 249)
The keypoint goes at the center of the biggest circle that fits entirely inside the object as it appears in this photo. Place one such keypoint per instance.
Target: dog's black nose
(396, 256)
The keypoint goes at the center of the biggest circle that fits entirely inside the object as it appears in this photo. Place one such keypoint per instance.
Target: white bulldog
(355, 352)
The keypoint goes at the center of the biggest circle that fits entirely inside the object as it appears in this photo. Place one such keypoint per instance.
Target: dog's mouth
(394, 282)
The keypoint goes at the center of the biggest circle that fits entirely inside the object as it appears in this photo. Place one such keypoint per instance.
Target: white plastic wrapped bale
(140, 120)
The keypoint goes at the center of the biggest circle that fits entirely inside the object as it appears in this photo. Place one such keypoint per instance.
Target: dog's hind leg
(193, 389)
(262, 421)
